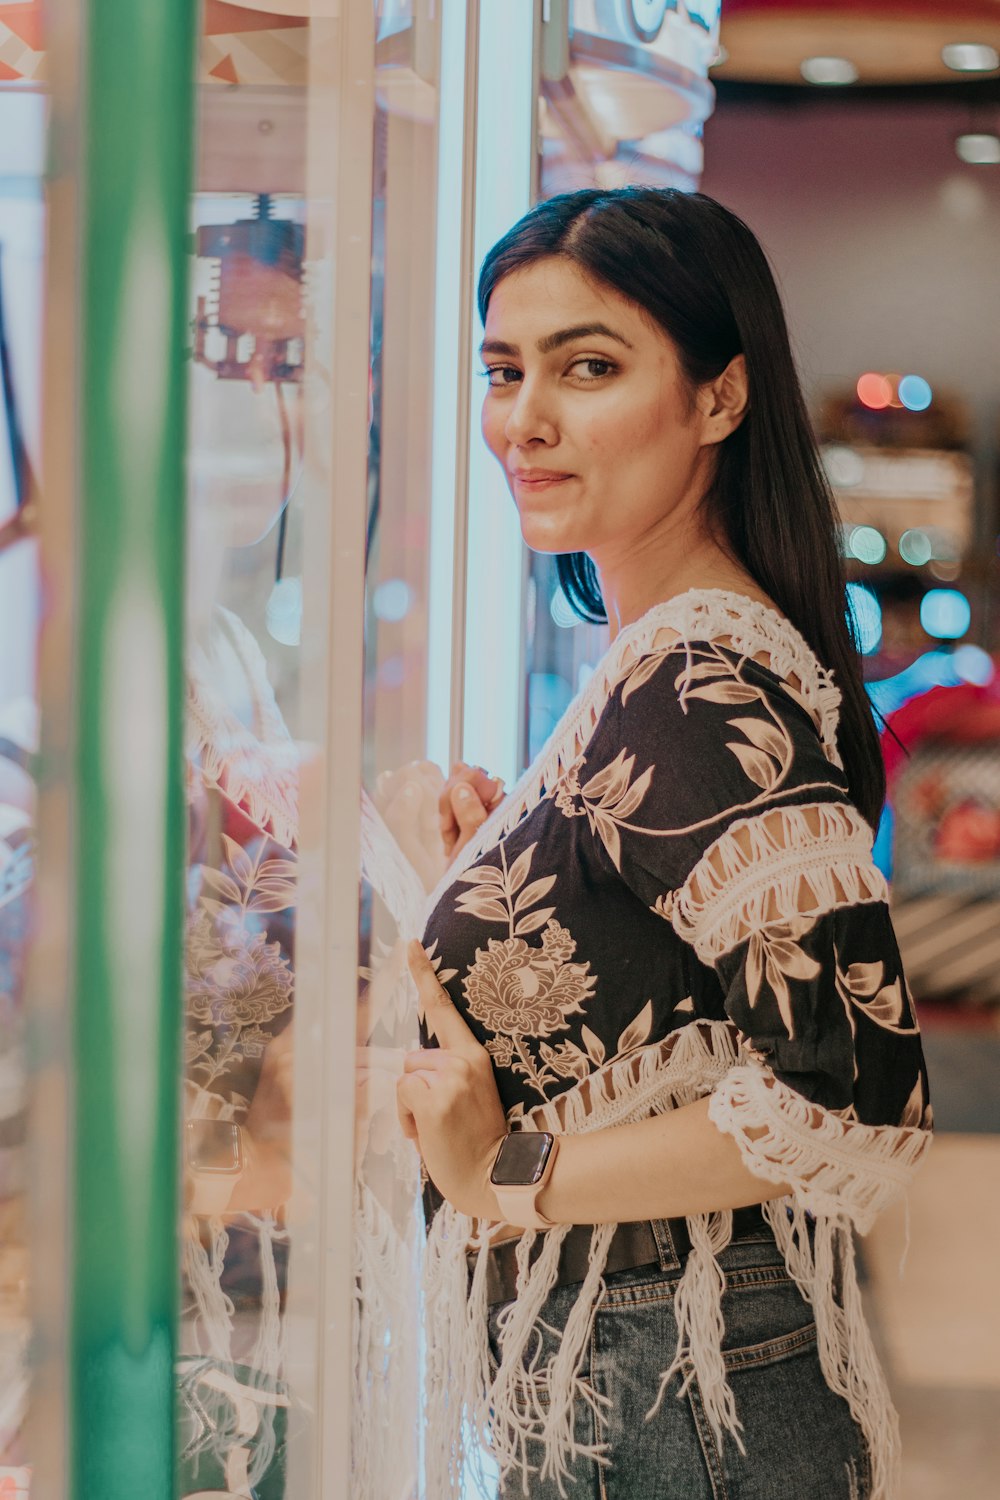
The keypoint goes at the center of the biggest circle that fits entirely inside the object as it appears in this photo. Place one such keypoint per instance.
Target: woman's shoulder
(718, 646)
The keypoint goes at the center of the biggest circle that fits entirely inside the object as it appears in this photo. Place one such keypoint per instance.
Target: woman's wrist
(555, 1201)
(664, 1167)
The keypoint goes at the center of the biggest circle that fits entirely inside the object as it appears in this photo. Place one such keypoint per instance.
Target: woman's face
(588, 413)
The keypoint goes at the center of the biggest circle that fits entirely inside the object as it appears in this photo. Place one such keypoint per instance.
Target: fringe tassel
(235, 1407)
(788, 866)
(267, 1357)
(700, 1327)
(683, 1067)
(839, 1168)
(565, 1376)
(842, 1172)
(455, 1351)
(213, 1322)
(820, 1259)
(526, 1401)
(385, 1354)
(520, 1390)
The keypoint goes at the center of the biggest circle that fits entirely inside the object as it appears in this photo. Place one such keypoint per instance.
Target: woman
(669, 1036)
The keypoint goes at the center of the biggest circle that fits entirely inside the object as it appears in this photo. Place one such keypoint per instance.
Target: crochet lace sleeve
(726, 811)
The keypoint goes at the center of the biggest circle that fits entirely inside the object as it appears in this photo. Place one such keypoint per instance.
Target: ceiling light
(829, 70)
(970, 57)
(978, 148)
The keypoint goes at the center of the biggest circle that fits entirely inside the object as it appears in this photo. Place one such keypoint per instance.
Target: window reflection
(253, 1209)
(243, 778)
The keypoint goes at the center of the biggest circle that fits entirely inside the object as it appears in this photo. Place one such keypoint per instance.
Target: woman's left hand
(448, 1102)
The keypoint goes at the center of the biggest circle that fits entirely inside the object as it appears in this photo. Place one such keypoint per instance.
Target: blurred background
(252, 560)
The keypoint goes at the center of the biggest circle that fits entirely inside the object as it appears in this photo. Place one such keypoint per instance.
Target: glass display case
(311, 423)
(285, 590)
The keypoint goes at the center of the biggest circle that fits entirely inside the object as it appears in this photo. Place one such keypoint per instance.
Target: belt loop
(662, 1234)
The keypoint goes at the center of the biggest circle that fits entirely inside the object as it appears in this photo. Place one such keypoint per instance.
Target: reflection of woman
(674, 1041)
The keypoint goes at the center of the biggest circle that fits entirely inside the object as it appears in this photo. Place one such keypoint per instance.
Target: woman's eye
(593, 369)
(498, 375)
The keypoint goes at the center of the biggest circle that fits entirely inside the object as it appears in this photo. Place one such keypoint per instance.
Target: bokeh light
(915, 393)
(828, 70)
(392, 600)
(978, 148)
(392, 673)
(865, 615)
(915, 547)
(970, 57)
(844, 467)
(874, 391)
(973, 664)
(866, 544)
(945, 613)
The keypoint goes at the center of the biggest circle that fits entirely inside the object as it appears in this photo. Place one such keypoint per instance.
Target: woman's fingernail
(463, 793)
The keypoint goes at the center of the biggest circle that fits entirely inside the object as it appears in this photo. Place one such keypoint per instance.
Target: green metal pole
(137, 98)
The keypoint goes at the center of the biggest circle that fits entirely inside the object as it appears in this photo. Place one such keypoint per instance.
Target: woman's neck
(631, 586)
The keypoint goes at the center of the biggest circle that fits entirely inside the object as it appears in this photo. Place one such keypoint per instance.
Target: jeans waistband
(653, 1242)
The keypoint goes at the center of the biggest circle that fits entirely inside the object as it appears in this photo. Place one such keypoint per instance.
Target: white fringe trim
(234, 1409)
(842, 1174)
(384, 1438)
(741, 624)
(847, 1355)
(839, 1169)
(388, 870)
(789, 867)
(524, 1414)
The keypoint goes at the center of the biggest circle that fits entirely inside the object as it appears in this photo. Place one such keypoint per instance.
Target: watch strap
(518, 1207)
(518, 1202)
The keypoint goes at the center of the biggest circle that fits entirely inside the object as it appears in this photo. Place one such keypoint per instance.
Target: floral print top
(684, 849)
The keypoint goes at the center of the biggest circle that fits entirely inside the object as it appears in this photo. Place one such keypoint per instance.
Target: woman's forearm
(661, 1168)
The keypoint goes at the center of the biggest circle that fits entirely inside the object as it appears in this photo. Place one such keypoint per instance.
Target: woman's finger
(413, 1094)
(407, 1121)
(427, 1059)
(442, 1020)
(459, 772)
(468, 808)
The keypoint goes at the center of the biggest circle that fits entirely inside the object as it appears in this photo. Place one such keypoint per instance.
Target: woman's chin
(549, 539)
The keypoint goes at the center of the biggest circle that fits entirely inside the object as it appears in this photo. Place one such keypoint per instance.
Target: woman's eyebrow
(553, 341)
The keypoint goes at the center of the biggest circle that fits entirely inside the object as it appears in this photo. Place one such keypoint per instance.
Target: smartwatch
(521, 1169)
(216, 1156)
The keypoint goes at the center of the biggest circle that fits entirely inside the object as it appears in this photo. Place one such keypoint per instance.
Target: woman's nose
(529, 418)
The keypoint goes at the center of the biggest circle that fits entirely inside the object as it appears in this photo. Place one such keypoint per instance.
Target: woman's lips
(538, 479)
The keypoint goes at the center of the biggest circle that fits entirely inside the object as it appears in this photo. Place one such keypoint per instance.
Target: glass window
(309, 515)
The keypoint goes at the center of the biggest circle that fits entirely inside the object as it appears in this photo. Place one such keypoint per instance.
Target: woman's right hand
(468, 798)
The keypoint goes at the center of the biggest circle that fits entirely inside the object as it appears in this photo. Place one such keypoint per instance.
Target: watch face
(521, 1159)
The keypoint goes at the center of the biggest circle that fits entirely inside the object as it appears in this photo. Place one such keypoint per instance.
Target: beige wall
(886, 246)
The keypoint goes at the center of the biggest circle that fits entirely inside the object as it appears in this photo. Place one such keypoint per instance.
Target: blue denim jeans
(801, 1441)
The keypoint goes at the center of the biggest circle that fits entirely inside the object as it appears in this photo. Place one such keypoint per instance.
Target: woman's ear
(723, 401)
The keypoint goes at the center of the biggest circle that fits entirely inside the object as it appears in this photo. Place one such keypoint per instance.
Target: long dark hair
(699, 271)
